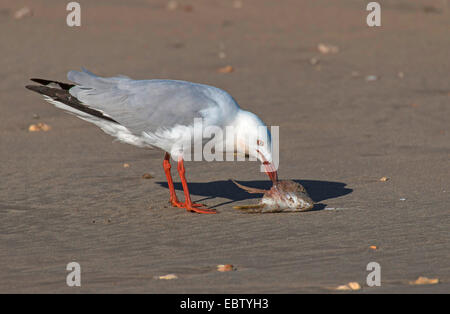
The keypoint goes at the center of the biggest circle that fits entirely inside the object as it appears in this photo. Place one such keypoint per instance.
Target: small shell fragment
(168, 277)
(384, 179)
(125, 165)
(351, 286)
(327, 49)
(23, 12)
(224, 268)
(33, 128)
(373, 247)
(424, 281)
(343, 288)
(226, 69)
(354, 285)
(39, 127)
(147, 176)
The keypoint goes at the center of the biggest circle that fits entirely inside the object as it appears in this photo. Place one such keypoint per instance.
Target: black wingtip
(64, 86)
(34, 88)
(41, 81)
(37, 80)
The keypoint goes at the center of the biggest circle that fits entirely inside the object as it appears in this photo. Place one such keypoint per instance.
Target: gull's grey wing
(146, 106)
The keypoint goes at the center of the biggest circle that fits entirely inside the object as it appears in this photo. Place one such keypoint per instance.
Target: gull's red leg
(188, 203)
(173, 195)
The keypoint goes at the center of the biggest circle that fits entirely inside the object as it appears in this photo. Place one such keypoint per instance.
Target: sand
(66, 196)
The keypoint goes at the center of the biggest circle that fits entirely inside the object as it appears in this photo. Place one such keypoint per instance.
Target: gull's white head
(253, 138)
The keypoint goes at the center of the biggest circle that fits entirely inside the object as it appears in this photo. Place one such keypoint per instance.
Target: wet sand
(65, 195)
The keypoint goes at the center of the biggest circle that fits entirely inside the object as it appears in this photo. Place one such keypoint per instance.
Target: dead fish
(284, 196)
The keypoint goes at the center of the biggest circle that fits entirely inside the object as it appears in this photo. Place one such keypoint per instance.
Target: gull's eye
(260, 143)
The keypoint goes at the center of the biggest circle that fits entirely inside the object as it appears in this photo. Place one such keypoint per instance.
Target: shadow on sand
(318, 190)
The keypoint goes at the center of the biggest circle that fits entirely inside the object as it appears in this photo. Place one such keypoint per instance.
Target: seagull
(160, 114)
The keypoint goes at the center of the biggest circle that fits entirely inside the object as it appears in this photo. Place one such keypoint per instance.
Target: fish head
(287, 196)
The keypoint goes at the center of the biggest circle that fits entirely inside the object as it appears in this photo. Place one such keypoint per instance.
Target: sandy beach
(378, 106)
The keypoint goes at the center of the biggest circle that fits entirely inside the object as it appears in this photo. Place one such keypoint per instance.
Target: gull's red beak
(271, 172)
(270, 169)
